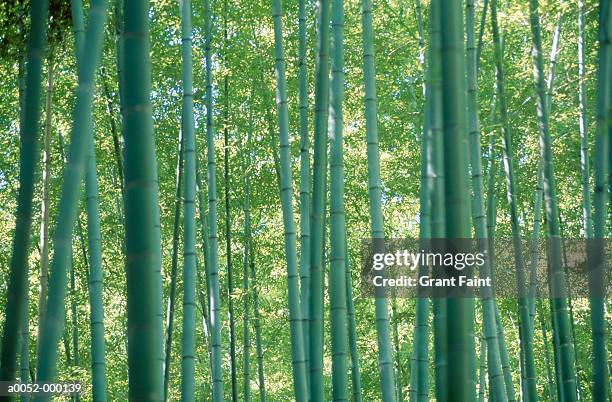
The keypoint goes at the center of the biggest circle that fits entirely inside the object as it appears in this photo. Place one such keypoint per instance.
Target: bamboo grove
(186, 188)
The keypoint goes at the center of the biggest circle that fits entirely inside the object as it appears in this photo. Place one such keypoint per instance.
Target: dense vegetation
(185, 187)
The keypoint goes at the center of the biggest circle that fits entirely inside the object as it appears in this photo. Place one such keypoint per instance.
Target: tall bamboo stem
(213, 293)
(597, 259)
(318, 206)
(527, 370)
(338, 254)
(460, 384)
(385, 362)
(28, 155)
(74, 170)
(304, 176)
(286, 193)
(142, 239)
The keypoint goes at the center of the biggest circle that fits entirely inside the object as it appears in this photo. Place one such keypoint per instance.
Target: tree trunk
(557, 280)
(482, 383)
(319, 192)
(304, 177)
(385, 362)
(113, 125)
(295, 317)
(460, 384)
(597, 263)
(188, 338)
(18, 277)
(44, 224)
(141, 207)
(205, 274)
(24, 353)
(419, 375)
(526, 332)
(173, 266)
(496, 379)
(213, 293)
(556, 352)
(481, 30)
(228, 223)
(246, 168)
(75, 322)
(493, 173)
(352, 332)
(587, 219)
(258, 346)
(543, 329)
(438, 217)
(95, 278)
(87, 62)
(94, 262)
(338, 254)
(399, 392)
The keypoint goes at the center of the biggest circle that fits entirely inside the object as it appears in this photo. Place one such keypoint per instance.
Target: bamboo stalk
(95, 278)
(256, 325)
(228, 225)
(246, 168)
(338, 253)
(94, 262)
(75, 322)
(73, 173)
(142, 239)
(173, 267)
(24, 354)
(385, 362)
(45, 205)
(28, 155)
(399, 392)
(352, 332)
(213, 293)
(583, 126)
(494, 172)
(188, 338)
(318, 206)
(419, 372)
(482, 377)
(526, 331)
(286, 193)
(110, 109)
(460, 384)
(204, 292)
(304, 176)
(438, 218)
(602, 162)
(557, 280)
(495, 373)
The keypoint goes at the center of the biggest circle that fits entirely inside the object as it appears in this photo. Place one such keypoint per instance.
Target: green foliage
(247, 61)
